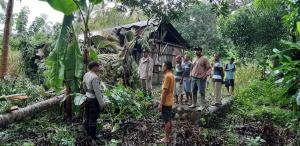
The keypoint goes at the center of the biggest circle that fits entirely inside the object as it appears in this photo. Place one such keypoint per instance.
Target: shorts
(166, 113)
(187, 85)
(229, 82)
(178, 89)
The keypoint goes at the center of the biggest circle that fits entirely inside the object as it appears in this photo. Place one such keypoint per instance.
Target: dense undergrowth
(19, 85)
(262, 109)
(260, 115)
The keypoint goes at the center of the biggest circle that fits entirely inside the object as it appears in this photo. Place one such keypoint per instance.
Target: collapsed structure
(165, 42)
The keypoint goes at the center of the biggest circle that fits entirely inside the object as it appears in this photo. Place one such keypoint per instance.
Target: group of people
(189, 78)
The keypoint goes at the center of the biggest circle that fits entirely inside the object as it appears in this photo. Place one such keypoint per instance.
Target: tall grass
(15, 64)
(261, 99)
(244, 75)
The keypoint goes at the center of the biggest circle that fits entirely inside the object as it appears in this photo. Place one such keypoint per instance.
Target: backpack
(226, 66)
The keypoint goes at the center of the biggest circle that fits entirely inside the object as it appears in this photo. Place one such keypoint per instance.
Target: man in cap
(201, 69)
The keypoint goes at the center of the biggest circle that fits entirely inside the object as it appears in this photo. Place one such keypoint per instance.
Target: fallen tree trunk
(29, 110)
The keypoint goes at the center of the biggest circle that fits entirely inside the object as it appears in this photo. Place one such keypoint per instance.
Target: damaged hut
(164, 43)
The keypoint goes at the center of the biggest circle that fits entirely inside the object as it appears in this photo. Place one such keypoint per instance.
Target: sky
(37, 8)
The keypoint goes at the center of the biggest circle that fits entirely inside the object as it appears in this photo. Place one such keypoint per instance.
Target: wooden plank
(172, 44)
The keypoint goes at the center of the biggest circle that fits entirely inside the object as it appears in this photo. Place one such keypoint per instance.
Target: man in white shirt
(217, 78)
(145, 72)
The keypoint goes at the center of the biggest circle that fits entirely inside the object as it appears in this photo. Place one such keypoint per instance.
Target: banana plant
(65, 63)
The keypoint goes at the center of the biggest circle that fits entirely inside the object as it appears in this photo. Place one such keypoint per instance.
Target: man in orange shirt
(167, 100)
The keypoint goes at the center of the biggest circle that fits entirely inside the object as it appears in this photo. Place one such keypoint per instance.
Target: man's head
(94, 66)
(167, 66)
(198, 51)
(232, 60)
(178, 59)
(186, 58)
(217, 56)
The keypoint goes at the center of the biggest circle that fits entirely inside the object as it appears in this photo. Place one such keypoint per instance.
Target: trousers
(199, 85)
(92, 111)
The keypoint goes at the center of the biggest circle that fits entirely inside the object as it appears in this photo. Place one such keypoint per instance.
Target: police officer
(95, 101)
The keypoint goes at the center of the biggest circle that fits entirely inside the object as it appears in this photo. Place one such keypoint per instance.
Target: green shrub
(264, 100)
(19, 85)
(125, 103)
(62, 136)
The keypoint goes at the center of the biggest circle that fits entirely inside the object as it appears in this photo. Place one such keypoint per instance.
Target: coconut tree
(5, 49)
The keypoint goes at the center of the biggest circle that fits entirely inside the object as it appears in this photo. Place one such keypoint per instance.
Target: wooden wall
(162, 52)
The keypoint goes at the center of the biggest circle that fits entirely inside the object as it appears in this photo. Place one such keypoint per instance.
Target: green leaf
(65, 61)
(95, 2)
(115, 128)
(291, 44)
(28, 144)
(73, 61)
(93, 55)
(298, 27)
(275, 50)
(298, 98)
(55, 61)
(114, 142)
(65, 6)
(78, 100)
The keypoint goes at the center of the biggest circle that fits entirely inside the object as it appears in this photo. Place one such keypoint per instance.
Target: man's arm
(233, 69)
(226, 68)
(166, 86)
(98, 92)
(222, 72)
(164, 96)
(183, 71)
(208, 67)
(150, 71)
(182, 77)
(139, 67)
(84, 86)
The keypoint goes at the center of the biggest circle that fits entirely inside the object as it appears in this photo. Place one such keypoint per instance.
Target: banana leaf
(95, 2)
(65, 6)
(65, 61)
(55, 61)
(73, 61)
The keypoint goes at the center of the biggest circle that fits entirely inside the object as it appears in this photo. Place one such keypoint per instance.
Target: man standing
(217, 78)
(178, 79)
(187, 64)
(229, 80)
(94, 102)
(145, 72)
(201, 69)
(167, 100)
